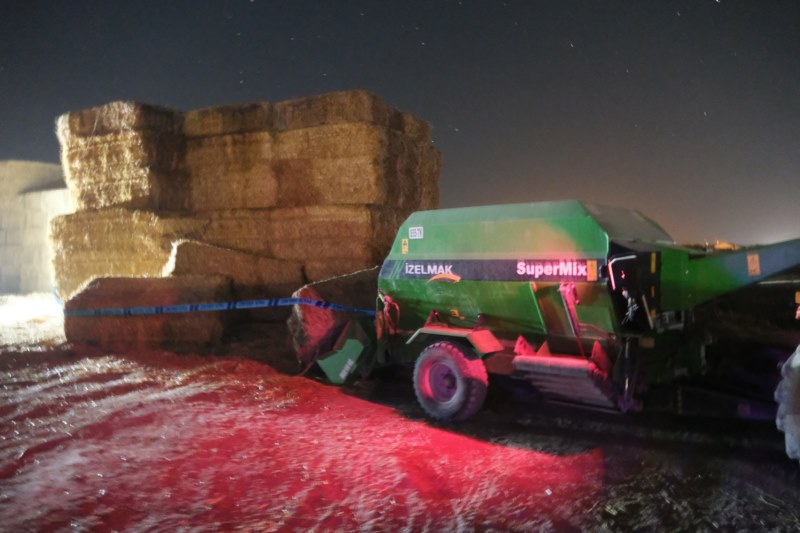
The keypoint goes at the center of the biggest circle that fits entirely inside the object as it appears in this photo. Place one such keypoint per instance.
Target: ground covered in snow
(158, 441)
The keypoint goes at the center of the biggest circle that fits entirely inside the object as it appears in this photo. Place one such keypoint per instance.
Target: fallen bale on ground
(174, 331)
(314, 330)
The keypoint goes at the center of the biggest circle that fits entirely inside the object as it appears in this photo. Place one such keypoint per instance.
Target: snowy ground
(157, 441)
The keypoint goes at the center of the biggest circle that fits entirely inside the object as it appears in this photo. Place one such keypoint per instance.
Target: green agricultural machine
(592, 305)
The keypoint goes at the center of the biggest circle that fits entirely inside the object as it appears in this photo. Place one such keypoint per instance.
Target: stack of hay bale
(268, 196)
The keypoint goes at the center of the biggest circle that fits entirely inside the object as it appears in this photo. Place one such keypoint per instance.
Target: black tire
(788, 397)
(450, 381)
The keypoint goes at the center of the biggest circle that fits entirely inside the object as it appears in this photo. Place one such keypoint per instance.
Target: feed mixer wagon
(592, 305)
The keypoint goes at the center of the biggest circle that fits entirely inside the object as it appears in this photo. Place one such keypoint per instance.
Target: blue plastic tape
(214, 306)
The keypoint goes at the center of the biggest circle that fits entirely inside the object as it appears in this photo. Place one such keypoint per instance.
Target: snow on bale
(314, 330)
(175, 331)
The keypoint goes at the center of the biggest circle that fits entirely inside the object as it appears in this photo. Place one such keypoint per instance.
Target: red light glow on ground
(165, 442)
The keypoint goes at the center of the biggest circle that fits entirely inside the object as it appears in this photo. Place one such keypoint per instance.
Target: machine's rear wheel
(788, 397)
(450, 381)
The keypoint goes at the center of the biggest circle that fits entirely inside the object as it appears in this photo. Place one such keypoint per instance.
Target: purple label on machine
(495, 270)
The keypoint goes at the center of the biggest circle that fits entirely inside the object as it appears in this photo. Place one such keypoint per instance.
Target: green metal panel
(723, 272)
(505, 264)
(502, 266)
(518, 231)
(674, 269)
(508, 306)
(340, 364)
(353, 350)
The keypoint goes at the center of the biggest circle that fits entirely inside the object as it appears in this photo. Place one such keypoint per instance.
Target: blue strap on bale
(220, 306)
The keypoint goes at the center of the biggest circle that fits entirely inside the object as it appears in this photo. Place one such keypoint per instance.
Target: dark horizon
(687, 111)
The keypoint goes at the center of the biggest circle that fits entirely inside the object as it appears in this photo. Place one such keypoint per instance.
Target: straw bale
(322, 269)
(330, 181)
(231, 171)
(323, 249)
(116, 117)
(322, 232)
(354, 164)
(334, 140)
(178, 331)
(225, 120)
(412, 175)
(428, 171)
(239, 229)
(416, 129)
(315, 330)
(114, 242)
(272, 276)
(319, 110)
(335, 108)
(132, 169)
(361, 233)
(254, 277)
(407, 170)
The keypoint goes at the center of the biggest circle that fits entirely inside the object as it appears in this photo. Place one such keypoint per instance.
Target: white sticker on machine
(753, 265)
(415, 232)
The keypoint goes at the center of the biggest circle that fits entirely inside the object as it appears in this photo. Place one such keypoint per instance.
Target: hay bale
(353, 164)
(228, 119)
(238, 229)
(325, 232)
(175, 331)
(299, 233)
(117, 117)
(131, 169)
(428, 171)
(315, 330)
(331, 165)
(272, 277)
(416, 129)
(322, 269)
(331, 181)
(412, 172)
(114, 242)
(124, 154)
(253, 276)
(340, 148)
(231, 171)
(330, 141)
(336, 108)
(308, 112)
(323, 181)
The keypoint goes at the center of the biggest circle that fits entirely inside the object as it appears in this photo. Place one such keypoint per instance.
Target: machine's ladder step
(566, 378)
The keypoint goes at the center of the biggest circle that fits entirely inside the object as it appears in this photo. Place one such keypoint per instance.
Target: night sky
(688, 111)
